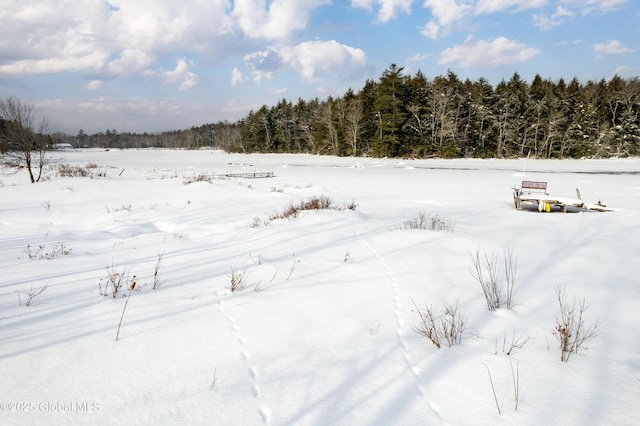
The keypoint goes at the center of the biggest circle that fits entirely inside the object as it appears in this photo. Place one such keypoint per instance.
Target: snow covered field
(322, 333)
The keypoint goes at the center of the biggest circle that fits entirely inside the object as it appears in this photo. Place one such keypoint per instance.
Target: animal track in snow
(263, 410)
(400, 322)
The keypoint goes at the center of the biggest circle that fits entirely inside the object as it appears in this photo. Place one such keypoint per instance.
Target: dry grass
(319, 202)
(429, 222)
(237, 279)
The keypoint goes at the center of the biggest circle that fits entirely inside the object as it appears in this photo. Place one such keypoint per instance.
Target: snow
(322, 333)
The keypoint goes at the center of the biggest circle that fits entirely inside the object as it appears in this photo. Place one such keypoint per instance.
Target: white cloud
(430, 30)
(280, 92)
(624, 70)
(237, 77)
(325, 57)
(492, 6)
(587, 7)
(363, 4)
(130, 61)
(485, 54)
(311, 60)
(52, 65)
(279, 21)
(94, 85)
(49, 37)
(546, 22)
(121, 38)
(387, 9)
(162, 24)
(180, 75)
(263, 63)
(411, 62)
(448, 14)
(189, 80)
(445, 14)
(613, 47)
(124, 114)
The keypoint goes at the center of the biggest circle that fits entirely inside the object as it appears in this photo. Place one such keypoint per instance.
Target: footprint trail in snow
(263, 410)
(400, 322)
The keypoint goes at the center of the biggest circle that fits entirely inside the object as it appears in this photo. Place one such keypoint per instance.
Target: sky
(156, 65)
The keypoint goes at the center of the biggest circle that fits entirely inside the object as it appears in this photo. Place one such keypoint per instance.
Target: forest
(413, 116)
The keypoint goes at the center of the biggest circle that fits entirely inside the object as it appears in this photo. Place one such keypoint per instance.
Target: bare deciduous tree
(354, 116)
(23, 141)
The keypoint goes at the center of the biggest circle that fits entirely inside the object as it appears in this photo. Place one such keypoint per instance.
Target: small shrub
(237, 279)
(445, 328)
(114, 280)
(199, 178)
(122, 208)
(30, 294)
(256, 222)
(511, 345)
(351, 206)
(571, 330)
(429, 222)
(321, 202)
(65, 170)
(42, 251)
(485, 271)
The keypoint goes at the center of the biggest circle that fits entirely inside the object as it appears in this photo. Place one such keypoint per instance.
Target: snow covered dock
(534, 193)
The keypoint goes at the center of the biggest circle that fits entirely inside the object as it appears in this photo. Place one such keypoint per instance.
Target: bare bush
(65, 170)
(199, 178)
(30, 294)
(256, 223)
(351, 206)
(429, 222)
(320, 202)
(427, 326)
(445, 328)
(42, 251)
(511, 345)
(571, 331)
(122, 208)
(485, 271)
(114, 280)
(237, 279)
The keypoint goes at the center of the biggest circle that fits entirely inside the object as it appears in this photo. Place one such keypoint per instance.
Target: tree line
(413, 116)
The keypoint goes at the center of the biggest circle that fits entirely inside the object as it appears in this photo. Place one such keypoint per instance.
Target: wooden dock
(246, 175)
(534, 193)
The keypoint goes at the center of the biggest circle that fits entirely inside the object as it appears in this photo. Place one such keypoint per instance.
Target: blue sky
(153, 65)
